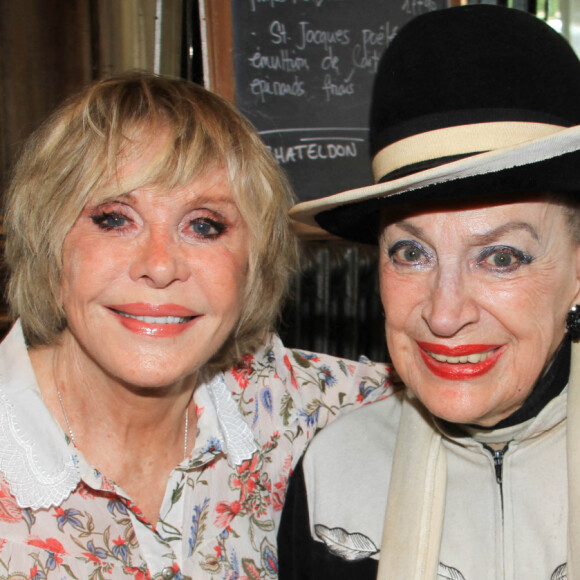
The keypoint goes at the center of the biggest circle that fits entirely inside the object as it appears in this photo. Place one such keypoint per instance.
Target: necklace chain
(70, 431)
(72, 435)
(186, 432)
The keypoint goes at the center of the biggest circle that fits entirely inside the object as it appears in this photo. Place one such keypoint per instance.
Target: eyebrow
(493, 235)
(197, 199)
(209, 199)
(480, 239)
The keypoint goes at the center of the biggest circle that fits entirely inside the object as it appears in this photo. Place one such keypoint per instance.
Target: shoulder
(312, 369)
(298, 371)
(347, 469)
(346, 448)
(295, 393)
(333, 518)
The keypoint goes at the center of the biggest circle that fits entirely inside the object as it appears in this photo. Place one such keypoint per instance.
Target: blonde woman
(149, 418)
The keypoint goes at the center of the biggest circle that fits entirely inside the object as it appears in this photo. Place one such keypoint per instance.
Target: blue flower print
(364, 390)
(235, 565)
(117, 504)
(120, 549)
(67, 517)
(198, 515)
(269, 559)
(36, 574)
(99, 553)
(266, 396)
(52, 561)
(311, 418)
(214, 445)
(309, 355)
(327, 376)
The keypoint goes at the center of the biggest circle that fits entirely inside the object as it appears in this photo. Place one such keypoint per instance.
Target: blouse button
(168, 573)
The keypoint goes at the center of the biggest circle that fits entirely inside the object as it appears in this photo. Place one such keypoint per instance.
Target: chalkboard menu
(303, 75)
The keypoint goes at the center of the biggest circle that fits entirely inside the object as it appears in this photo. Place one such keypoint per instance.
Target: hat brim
(550, 163)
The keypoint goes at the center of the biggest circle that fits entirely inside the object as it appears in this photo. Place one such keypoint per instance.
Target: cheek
(89, 267)
(224, 275)
(533, 309)
(400, 296)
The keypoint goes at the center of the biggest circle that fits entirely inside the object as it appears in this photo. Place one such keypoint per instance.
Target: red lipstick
(156, 320)
(457, 371)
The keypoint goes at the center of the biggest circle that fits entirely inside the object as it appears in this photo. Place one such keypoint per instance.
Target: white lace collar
(236, 437)
(33, 453)
(34, 456)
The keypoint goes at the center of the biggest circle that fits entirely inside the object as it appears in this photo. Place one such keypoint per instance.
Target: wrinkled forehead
(492, 204)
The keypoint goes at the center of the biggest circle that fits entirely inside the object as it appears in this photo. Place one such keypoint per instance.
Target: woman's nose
(451, 304)
(159, 260)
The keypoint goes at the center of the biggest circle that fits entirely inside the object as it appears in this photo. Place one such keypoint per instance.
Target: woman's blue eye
(109, 220)
(207, 228)
(406, 252)
(504, 258)
(411, 254)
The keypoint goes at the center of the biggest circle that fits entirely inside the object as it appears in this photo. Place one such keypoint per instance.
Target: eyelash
(409, 244)
(102, 221)
(521, 258)
(218, 226)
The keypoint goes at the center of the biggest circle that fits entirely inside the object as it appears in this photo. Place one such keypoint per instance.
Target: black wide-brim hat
(468, 103)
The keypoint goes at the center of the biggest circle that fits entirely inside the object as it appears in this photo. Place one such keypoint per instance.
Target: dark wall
(45, 55)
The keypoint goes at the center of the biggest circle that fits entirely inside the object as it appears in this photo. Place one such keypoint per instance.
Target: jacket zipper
(498, 455)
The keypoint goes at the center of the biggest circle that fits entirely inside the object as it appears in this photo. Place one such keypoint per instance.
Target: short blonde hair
(76, 152)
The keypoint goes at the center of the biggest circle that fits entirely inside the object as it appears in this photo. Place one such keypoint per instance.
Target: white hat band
(459, 140)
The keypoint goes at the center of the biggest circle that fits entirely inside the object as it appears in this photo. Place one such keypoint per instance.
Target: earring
(573, 323)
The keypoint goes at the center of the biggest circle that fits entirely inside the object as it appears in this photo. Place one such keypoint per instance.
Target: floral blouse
(60, 518)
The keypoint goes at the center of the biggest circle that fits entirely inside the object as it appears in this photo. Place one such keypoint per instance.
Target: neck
(113, 422)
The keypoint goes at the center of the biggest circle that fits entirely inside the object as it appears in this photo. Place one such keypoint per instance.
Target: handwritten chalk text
(313, 152)
(282, 61)
(263, 88)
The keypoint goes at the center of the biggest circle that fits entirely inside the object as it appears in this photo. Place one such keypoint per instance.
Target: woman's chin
(461, 404)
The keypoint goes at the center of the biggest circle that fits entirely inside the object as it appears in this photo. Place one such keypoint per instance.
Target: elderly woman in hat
(149, 418)
(472, 470)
